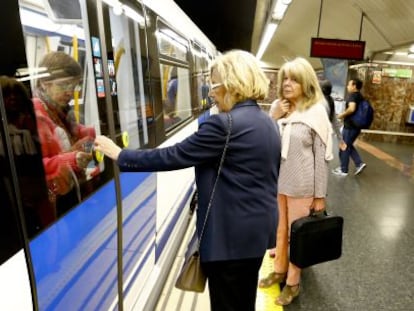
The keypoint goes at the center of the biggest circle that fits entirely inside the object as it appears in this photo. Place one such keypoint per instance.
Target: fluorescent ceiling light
(270, 30)
(118, 8)
(33, 77)
(37, 21)
(279, 10)
(134, 15)
(113, 3)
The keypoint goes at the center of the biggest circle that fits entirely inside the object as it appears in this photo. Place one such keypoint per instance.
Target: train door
(120, 31)
(84, 236)
(74, 249)
(20, 169)
(24, 207)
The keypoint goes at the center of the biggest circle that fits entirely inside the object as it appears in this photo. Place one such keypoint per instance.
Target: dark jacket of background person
(357, 98)
(326, 88)
(27, 157)
(243, 216)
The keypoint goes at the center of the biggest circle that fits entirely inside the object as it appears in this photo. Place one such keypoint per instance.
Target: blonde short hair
(242, 77)
(304, 74)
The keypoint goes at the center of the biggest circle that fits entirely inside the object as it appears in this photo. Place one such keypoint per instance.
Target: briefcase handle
(322, 213)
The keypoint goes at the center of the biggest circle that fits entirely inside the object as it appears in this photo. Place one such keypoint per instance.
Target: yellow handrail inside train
(76, 91)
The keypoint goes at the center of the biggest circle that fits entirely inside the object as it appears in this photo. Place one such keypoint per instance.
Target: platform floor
(376, 270)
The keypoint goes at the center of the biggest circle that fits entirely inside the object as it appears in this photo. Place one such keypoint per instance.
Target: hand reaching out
(107, 147)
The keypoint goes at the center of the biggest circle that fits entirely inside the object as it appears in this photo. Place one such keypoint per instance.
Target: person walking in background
(326, 87)
(243, 215)
(65, 143)
(306, 149)
(349, 132)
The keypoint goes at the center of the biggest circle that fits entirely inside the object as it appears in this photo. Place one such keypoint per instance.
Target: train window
(175, 94)
(64, 98)
(171, 44)
(63, 11)
(200, 79)
(175, 79)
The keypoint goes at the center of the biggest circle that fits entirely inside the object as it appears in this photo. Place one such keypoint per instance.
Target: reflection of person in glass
(21, 122)
(170, 106)
(65, 143)
(205, 89)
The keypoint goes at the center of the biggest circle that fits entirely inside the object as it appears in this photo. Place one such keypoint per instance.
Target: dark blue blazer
(243, 217)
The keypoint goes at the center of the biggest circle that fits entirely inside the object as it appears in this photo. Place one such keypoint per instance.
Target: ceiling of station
(384, 24)
(387, 25)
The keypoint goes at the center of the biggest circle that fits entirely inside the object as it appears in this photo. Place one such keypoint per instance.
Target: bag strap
(230, 121)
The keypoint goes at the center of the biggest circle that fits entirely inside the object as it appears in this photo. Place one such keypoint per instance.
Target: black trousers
(233, 284)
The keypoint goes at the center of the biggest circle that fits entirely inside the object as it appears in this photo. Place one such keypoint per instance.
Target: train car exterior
(144, 84)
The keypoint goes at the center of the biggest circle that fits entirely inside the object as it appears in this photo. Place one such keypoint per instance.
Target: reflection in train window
(201, 78)
(24, 149)
(10, 242)
(21, 124)
(176, 96)
(65, 104)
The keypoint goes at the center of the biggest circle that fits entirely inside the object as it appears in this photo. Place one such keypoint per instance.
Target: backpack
(363, 116)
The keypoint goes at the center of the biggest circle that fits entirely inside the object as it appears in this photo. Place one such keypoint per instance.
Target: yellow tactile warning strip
(265, 299)
(407, 170)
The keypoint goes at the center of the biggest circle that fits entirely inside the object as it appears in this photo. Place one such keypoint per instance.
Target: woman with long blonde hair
(306, 149)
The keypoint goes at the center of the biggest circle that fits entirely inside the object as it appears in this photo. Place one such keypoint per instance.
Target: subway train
(145, 84)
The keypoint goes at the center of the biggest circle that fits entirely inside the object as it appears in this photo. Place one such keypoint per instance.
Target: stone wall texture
(391, 98)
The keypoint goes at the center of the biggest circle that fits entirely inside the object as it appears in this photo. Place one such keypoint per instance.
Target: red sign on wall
(335, 48)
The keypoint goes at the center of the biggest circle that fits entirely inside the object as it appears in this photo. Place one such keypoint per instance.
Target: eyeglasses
(67, 85)
(215, 85)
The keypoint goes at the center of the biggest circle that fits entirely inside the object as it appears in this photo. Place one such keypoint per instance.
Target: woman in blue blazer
(243, 215)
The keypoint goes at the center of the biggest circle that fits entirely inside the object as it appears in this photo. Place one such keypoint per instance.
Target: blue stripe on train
(80, 249)
(75, 259)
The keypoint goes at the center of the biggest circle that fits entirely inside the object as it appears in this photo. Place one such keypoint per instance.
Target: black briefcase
(315, 239)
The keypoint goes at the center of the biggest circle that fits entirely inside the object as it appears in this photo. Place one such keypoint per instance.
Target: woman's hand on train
(107, 147)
